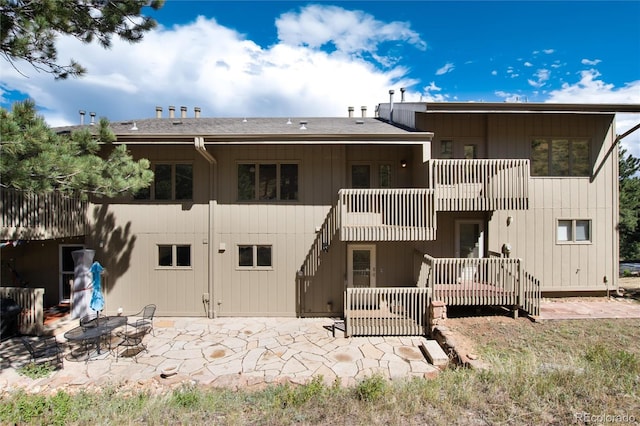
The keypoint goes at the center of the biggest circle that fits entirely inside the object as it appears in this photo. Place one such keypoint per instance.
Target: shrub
(372, 388)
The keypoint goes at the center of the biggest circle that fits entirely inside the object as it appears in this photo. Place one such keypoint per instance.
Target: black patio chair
(146, 317)
(45, 350)
(131, 343)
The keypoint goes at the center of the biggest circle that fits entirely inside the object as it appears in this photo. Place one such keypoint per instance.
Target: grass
(550, 373)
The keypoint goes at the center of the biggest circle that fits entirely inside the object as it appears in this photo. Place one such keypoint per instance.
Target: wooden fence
(31, 300)
(386, 311)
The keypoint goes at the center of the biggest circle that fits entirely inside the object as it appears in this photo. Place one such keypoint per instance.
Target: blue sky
(289, 58)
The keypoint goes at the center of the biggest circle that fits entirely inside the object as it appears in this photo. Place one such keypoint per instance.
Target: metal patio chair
(146, 316)
(45, 350)
(131, 343)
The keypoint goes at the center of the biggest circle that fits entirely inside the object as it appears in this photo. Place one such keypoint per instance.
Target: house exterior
(478, 203)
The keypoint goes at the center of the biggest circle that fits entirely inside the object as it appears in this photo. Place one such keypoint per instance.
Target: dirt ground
(470, 326)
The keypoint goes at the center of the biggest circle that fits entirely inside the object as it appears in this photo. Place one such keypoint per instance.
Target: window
(361, 176)
(170, 182)
(384, 177)
(254, 256)
(446, 149)
(267, 182)
(470, 152)
(560, 157)
(174, 255)
(573, 231)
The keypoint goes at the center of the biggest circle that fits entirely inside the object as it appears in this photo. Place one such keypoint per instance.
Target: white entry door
(361, 265)
(469, 238)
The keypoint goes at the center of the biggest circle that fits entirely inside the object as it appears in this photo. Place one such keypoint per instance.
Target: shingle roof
(252, 126)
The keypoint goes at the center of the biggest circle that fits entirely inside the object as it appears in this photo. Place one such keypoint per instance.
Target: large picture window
(560, 157)
(267, 181)
(255, 257)
(170, 182)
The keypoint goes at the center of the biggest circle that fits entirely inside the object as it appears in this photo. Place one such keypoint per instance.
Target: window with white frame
(267, 181)
(570, 231)
(170, 182)
(174, 255)
(254, 256)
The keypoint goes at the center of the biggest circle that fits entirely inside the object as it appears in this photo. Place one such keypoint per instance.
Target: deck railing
(386, 311)
(480, 185)
(402, 214)
(31, 300)
(487, 282)
(40, 216)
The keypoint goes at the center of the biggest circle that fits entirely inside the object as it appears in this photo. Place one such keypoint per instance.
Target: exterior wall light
(403, 164)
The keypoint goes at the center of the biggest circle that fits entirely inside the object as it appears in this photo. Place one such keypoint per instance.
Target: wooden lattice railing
(495, 281)
(31, 300)
(401, 214)
(40, 216)
(386, 311)
(480, 185)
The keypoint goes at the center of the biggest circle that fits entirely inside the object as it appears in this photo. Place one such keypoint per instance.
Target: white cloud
(548, 51)
(590, 62)
(528, 64)
(494, 72)
(349, 31)
(448, 67)
(541, 77)
(230, 77)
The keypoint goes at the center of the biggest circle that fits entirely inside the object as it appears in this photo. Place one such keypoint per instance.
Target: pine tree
(36, 159)
(629, 226)
(29, 28)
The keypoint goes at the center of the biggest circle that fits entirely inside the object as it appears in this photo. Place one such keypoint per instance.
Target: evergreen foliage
(36, 159)
(629, 226)
(29, 28)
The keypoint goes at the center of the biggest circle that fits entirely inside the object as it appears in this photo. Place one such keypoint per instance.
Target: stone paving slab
(228, 352)
(598, 308)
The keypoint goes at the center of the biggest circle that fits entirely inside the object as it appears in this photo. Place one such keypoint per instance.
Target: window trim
(174, 257)
(255, 266)
(172, 199)
(572, 240)
(256, 185)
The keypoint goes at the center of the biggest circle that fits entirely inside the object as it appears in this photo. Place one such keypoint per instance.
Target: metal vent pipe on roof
(172, 111)
(93, 118)
(81, 117)
(391, 92)
(351, 112)
(183, 112)
(402, 90)
(158, 112)
(196, 112)
(364, 111)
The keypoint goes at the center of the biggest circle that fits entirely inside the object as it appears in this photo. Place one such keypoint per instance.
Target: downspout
(208, 298)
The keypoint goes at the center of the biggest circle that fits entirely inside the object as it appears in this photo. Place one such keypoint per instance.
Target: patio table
(101, 327)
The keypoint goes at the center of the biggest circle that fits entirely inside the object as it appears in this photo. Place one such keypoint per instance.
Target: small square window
(446, 149)
(183, 255)
(583, 230)
(245, 256)
(165, 255)
(564, 230)
(264, 255)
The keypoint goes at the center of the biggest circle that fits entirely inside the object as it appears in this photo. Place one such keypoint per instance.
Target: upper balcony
(409, 214)
(480, 185)
(26, 216)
